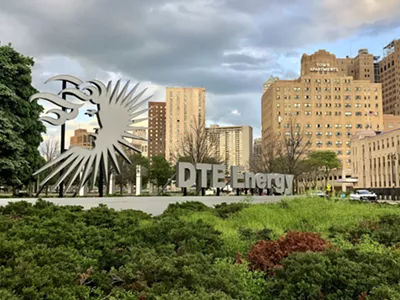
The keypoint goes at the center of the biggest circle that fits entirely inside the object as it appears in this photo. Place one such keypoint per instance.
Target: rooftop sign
(324, 67)
(188, 174)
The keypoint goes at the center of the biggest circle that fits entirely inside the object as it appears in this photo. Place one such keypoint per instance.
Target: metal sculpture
(116, 112)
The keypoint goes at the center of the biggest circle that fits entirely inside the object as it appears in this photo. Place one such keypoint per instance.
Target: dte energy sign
(188, 175)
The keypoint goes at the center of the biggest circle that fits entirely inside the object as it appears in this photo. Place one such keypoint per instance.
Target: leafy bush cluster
(224, 210)
(267, 255)
(52, 252)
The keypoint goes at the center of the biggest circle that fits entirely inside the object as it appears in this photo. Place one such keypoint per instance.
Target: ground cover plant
(305, 248)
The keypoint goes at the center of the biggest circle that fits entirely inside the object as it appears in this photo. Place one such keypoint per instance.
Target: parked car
(363, 195)
(319, 194)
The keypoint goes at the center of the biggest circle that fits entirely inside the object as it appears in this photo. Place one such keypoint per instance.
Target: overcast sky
(230, 47)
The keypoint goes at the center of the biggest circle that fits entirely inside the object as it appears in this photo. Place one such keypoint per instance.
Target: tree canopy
(160, 171)
(128, 170)
(20, 127)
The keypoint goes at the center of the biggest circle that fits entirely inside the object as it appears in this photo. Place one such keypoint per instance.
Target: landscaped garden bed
(305, 248)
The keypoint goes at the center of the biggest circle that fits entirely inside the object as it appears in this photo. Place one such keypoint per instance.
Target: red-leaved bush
(266, 255)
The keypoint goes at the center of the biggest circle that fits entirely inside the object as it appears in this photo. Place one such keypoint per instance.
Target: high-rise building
(233, 144)
(141, 132)
(362, 66)
(157, 125)
(81, 138)
(257, 147)
(325, 102)
(389, 77)
(185, 109)
(270, 81)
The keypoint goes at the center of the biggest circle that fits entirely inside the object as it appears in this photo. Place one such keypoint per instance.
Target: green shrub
(335, 275)
(224, 210)
(385, 230)
(184, 208)
(64, 252)
(255, 235)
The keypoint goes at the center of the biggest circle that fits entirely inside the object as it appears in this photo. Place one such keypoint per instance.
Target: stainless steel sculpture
(116, 112)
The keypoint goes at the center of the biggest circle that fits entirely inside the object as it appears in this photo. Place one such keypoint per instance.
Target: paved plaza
(152, 205)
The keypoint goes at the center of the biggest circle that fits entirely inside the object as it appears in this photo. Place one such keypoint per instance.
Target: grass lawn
(302, 214)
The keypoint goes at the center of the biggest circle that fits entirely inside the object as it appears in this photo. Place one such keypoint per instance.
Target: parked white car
(363, 195)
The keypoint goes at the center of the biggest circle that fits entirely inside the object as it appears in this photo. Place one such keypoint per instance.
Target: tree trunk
(121, 189)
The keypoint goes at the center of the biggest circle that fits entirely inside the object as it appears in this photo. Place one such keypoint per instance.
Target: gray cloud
(247, 105)
(185, 43)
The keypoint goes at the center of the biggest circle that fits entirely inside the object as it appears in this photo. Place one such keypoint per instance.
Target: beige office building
(233, 144)
(185, 109)
(257, 147)
(391, 122)
(375, 159)
(390, 78)
(81, 138)
(142, 133)
(326, 102)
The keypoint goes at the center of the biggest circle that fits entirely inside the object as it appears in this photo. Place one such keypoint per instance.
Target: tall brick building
(156, 129)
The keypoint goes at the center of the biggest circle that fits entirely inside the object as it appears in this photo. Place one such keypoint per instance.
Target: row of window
(327, 80)
(298, 125)
(329, 113)
(328, 97)
(327, 89)
(329, 143)
(337, 105)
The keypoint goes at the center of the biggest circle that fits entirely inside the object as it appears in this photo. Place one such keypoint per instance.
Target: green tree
(24, 135)
(326, 162)
(128, 170)
(160, 171)
(11, 151)
(310, 169)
